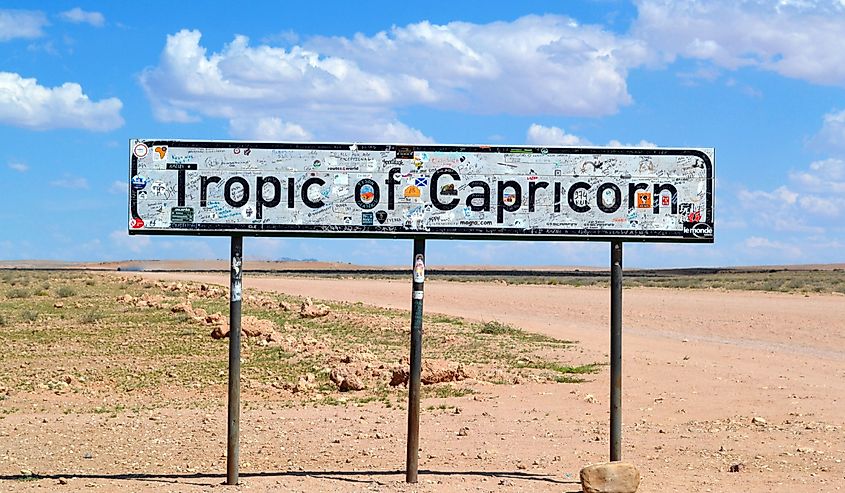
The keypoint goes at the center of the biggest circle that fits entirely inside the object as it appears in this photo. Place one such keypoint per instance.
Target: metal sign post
(412, 460)
(233, 436)
(615, 350)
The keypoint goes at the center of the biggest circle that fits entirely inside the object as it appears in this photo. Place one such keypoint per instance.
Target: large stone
(610, 477)
(310, 310)
(351, 382)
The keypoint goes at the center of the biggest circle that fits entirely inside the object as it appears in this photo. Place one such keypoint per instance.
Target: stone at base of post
(610, 477)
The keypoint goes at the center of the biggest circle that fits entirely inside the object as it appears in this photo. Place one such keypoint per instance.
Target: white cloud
(340, 86)
(75, 182)
(807, 209)
(827, 173)
(19, 167)
(26, 24)
(553, 136)
(761, 243)
(25, 103)
(832, 134)
(118, 187)
(78, 16)
(556, 136)
(642, 143)
(801, 40)
(135, 243)
(267, 128)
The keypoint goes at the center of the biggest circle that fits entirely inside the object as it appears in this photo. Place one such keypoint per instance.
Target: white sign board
(436, 191)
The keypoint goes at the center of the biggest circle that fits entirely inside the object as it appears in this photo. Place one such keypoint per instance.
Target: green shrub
(65, 292)
(91, 317)
(18, 293)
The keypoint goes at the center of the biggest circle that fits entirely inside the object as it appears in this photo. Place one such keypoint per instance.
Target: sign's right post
(616, 350)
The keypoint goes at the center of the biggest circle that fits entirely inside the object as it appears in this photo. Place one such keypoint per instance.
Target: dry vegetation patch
(103, 342)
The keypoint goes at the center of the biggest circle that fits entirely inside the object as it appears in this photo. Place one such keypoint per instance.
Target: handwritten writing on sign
(445, 191)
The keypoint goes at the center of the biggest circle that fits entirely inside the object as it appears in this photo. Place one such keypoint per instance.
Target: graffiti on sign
(560, 193)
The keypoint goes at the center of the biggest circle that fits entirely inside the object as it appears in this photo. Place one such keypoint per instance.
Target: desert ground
(724, 391)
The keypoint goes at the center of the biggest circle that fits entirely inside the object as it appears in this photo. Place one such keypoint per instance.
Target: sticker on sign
(436, 191)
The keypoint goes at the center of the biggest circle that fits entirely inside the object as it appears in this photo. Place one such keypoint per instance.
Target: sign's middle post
(412, 460)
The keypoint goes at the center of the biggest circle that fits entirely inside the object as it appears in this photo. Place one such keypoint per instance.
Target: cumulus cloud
(25, 103)
(802, 40)
(356, 84)
(19, 167)
(73, 182)
(25, 24)
(118, 187)
(78, 16)
(267, 128)
(761, 243)
(808, 204)
(134, 243)
(832, 134)
(555, 136)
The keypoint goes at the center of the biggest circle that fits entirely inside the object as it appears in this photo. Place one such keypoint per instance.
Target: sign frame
(452, 233)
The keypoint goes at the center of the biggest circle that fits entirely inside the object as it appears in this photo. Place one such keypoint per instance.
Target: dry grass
(78, 341)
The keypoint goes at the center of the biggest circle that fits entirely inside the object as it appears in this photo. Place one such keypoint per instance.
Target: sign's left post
(235, 290)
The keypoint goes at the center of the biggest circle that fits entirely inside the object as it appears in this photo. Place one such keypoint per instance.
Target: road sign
(435, 191)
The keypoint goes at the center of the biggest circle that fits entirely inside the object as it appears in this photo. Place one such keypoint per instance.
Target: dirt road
(699, 366)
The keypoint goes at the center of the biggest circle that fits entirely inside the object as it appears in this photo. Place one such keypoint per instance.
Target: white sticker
(418, 295)
(236, 291)
(419, 269)
(140, 150)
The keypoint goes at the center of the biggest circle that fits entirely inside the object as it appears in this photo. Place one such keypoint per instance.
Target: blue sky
(760, 81)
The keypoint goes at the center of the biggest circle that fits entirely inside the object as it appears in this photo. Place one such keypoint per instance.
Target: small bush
(18, 293)
(65, 292)
(29, 315)
(91, 317)
(494, 327)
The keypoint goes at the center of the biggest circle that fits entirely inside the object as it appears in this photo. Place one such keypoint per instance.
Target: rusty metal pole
(412, 459)
(233, 436)
(616, 350)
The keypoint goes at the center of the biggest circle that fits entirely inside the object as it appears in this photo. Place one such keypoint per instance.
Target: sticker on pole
(421, 191)
(419, 269)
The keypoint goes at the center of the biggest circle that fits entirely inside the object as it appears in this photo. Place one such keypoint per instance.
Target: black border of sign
(513, 234)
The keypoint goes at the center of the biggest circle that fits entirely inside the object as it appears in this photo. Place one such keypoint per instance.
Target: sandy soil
(699, 367)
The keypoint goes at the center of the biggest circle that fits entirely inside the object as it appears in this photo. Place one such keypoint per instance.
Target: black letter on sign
(516, 201)
(571, 196)
(532, 189)
(181, 168)
(180, 185)
(204, 182)
(227, 191)
(434, 190)
(557, 197)
(305, 186)
(617, 197)
(658, 192)
(484, 196)
(391, 182)
(260, 201)
(291, 186)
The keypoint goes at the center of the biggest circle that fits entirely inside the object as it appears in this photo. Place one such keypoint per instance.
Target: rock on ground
(610, 477)
(310, 310)
(250, 327)
(433, 371)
